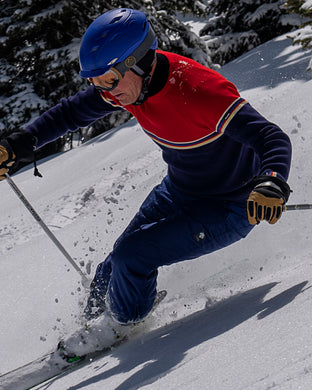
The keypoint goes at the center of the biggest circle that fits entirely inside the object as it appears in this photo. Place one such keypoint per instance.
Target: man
(227, 165)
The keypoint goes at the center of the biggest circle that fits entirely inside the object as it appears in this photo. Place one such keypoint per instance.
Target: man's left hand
(267, 200)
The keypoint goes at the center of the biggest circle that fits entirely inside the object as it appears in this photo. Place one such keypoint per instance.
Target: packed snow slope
(238, 319)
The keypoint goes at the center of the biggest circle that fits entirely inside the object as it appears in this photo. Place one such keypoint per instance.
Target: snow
(260, 13)
(195, 23)
(237, 319)
(307, 4)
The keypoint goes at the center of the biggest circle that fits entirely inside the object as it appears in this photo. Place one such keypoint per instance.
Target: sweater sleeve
(79, 110)
(265, 138)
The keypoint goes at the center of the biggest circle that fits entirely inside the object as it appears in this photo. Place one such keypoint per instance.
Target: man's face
(127, 90)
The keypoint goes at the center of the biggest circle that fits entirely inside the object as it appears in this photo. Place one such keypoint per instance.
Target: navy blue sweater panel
(70, 114)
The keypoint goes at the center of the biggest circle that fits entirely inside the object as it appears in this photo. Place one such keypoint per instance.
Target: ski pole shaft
(302, 206)
(29, 207)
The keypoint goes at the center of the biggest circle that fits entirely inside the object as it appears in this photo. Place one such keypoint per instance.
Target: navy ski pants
(169, 227)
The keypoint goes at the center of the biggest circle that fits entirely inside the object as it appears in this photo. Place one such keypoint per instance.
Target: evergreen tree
(304, 36)
(196, 8)
(39, 45)
(235, 27)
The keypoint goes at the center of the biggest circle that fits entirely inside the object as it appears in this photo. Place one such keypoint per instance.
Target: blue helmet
(119, 38)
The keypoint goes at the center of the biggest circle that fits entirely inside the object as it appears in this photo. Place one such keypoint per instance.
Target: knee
(131, 255)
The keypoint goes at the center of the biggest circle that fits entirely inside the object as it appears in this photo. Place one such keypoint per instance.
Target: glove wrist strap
(269, 184)
(283, 187)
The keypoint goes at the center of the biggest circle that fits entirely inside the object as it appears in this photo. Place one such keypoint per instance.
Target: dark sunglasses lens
(107, 89)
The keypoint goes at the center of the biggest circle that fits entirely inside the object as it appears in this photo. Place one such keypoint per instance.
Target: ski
(54, 365)
(44, 370)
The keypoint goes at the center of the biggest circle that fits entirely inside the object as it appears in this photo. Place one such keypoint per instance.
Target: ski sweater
(213, 141)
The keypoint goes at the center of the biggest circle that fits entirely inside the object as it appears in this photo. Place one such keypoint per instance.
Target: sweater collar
(160, 75)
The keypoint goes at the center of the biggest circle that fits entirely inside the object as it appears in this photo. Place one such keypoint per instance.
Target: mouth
(119, 95)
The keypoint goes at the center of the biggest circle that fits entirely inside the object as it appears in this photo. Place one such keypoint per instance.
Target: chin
(126, 102)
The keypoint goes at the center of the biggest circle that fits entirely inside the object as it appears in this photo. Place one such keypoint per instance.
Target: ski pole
(300, 206)
(85, 281)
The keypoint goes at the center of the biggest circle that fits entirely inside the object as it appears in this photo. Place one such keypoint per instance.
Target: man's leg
(96, 304)
(158, 205)
(168, 228)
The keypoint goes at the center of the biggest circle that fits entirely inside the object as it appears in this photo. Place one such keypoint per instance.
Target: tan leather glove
(7, 158)
(267, 200)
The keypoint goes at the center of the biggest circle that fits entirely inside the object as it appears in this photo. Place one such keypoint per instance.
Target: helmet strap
(146, 76)
(144, 91)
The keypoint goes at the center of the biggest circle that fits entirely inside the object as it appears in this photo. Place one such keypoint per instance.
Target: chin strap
(144, 91)
(144, 72)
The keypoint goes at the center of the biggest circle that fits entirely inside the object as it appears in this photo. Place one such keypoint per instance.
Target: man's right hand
(7, 158)
(17, 147)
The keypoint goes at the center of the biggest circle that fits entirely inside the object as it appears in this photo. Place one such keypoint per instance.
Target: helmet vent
(116, 19)
(114, 36)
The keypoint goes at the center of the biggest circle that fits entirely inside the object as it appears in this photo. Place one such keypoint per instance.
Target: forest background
(39, 45)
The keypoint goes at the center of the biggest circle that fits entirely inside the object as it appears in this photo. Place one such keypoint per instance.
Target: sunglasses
(109, 80)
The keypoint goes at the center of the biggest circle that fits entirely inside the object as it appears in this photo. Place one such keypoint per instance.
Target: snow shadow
(165, 348)
(269, 65)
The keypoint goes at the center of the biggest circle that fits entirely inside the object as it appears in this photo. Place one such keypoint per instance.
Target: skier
(227, 164)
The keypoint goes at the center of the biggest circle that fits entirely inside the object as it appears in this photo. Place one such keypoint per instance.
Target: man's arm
(266, 139)
(70, 114)
(273, 147)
